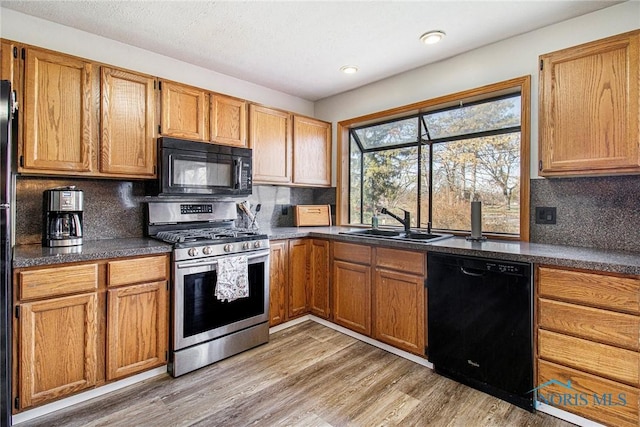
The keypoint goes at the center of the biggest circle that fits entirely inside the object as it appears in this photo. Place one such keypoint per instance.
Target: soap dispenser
(374, 220)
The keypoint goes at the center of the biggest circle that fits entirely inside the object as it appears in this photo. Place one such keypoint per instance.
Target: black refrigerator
(6, 246)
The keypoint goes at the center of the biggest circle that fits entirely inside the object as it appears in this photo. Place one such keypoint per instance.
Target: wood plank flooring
(307, 375)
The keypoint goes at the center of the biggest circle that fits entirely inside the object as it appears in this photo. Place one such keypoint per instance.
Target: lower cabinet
(58, 348)
(81, 325)
(399, 295)
(588, 327)
(351, 282)
(299, 279)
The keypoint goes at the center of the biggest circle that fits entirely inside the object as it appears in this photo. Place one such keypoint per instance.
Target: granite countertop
(37, 255)
(566, 256)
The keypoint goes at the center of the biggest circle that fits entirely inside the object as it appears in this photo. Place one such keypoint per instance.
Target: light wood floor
(308, 375)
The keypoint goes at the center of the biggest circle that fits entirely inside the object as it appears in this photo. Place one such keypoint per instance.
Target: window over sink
(434, 161)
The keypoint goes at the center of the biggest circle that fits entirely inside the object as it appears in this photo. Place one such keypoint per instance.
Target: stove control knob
(246, 245)
(207, 250)
(227, 248)
(257, 244)
(193, 252)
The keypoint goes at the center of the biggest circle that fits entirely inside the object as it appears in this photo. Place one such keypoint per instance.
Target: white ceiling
(297, 47)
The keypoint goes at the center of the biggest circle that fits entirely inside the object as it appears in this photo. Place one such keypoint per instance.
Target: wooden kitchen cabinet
(311, 152)
(57, 333)
(80, 325)
(399, 299)
(298, 278)
(588, 325)
(278, 282)
(319, 278)
(589, 109)
(128, 123)
(351, 283)
(270, 139)
(228, 120)
(8, 61)
(184, 109)
(137, 315)
(58, 122)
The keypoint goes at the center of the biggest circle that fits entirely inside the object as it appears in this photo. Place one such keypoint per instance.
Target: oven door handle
(214, 260)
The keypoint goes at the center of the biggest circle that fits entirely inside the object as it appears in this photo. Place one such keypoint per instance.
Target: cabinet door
(136, 328)
(57, 113)
(298, 278)
(270, 139)
(319, 278)
(278, 280)
(7, 61)
(400, 310)
(228, 120)
(57, 347)
(183, 111)
(589, 108)
(128, 123)
(352, 296)
(311, 152)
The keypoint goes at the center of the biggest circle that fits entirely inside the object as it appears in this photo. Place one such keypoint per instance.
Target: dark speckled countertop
(37, 255)
(566, 256)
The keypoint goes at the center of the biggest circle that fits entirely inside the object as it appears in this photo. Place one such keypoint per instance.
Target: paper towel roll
(476, 220)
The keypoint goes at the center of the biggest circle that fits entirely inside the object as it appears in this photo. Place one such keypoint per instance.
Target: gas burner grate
(197, 234)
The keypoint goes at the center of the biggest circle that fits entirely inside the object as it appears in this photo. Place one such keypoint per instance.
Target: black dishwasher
(480, 324)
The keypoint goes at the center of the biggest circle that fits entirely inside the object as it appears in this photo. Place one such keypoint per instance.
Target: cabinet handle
(540, 165)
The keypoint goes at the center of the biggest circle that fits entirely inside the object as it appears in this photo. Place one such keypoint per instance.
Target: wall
(504, 60)
(116, 209)
(38, 32)
(596, 212)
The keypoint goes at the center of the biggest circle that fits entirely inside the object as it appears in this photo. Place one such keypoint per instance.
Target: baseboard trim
(86, 395)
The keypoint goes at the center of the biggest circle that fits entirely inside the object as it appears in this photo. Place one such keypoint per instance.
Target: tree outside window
(472, 152)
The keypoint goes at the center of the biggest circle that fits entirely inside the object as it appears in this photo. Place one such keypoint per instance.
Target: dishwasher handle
(471, 273)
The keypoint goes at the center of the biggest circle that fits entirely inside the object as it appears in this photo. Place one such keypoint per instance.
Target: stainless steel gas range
(205, 327)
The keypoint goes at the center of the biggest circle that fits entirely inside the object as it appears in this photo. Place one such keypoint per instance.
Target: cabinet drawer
(405, 261)
(599, 290)
(602, 400)
(54, 281)
(604, 326)
(351, 252)
(599, 359)
(137, 270)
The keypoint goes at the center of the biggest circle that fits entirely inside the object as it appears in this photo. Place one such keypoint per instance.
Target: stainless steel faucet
(406, 221)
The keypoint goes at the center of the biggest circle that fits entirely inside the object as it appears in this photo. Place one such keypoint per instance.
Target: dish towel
(233, 278)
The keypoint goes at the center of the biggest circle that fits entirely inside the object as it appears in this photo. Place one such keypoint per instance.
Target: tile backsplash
(115, 209)
(598, 212)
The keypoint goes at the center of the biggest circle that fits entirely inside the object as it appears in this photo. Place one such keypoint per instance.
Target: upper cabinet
(57, 113)
(311, 152)
(270, 139)
(590, 108)
(228, 120)
(196, 114)
(86, 119)
(289, 149)
(183, 111)
(128, 123)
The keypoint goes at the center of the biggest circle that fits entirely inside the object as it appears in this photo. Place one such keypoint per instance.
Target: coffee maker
(62, 217)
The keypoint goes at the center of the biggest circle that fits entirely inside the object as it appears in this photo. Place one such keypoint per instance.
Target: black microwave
(200, 169)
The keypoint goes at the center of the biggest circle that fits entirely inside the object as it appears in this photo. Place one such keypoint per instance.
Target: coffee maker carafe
(62, 217)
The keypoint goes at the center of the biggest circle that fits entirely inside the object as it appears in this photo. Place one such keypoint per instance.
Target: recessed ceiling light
(349, 69)
(432, 37)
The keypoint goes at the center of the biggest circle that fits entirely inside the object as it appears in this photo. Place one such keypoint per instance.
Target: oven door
(199, 316)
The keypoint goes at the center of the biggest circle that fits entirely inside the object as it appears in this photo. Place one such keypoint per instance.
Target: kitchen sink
(374, 232)
(398, 235)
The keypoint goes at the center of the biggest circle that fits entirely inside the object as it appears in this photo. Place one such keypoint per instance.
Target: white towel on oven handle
(233, 278)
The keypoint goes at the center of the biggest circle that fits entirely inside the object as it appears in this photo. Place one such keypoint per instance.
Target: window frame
(468, 97)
